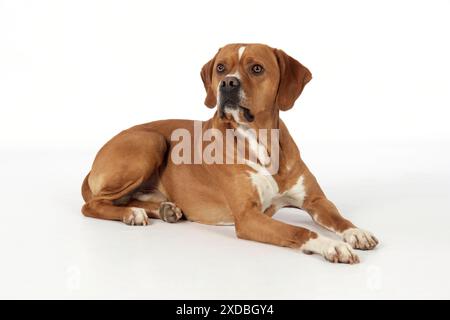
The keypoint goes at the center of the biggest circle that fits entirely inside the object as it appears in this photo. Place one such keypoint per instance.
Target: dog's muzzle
(230, 91)
(230, 97)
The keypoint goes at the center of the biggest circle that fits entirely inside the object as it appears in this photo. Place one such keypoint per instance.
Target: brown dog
(136, 175)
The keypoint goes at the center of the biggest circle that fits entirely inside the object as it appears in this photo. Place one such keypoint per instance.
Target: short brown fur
(138, 160)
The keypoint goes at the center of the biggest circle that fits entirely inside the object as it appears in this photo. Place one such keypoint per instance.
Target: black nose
(230, 84)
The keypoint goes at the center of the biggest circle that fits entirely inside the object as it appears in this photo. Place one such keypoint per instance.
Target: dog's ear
(206, 74)
(293, 77)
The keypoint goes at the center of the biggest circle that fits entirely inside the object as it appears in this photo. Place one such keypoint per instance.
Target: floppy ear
(293, 77)
(206, 74)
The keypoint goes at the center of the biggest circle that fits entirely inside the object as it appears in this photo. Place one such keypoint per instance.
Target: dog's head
(249, 79)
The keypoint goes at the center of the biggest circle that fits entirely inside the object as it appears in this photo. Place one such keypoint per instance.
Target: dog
(134, 176)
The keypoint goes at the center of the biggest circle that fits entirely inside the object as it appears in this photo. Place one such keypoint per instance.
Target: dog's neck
(267, 120)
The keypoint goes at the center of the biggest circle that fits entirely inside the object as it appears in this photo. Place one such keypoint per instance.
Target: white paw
(331, 250)
(138, 217)
(360, 239)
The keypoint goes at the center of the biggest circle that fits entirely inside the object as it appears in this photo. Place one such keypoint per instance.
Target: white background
(373, 125)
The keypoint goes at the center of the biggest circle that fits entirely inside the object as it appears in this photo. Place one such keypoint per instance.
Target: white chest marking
(265, 184)
(255, 148)
(241, 52)
(244, 132)
(269, 192)
(294, 196)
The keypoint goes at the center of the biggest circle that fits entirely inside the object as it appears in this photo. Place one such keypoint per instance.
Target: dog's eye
(220, 68)
(257, 68)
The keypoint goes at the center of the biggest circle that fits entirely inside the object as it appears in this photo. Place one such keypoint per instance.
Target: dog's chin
(227, 110)
(229, 104)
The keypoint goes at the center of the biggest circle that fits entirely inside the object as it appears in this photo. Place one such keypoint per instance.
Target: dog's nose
(230, 84)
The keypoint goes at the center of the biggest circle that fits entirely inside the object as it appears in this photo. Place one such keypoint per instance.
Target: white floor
(400, 192)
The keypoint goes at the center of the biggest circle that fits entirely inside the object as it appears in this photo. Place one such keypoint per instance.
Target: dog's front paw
(169, 212)
(332, 250)
(137, 217)
(360, 239)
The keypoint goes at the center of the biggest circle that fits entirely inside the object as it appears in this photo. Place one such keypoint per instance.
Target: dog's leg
(122, 166)
(251, 224)
(157, 206)
(163, 209)
(104, 209)
(325, 213)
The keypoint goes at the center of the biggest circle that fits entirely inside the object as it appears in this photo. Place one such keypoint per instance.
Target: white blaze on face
(241, 52)
(234, 74)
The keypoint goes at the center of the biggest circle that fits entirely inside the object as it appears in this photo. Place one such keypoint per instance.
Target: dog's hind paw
(169, 212)
(137, 217)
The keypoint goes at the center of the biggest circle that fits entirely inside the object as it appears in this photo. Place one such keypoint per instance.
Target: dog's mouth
(228, 111)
